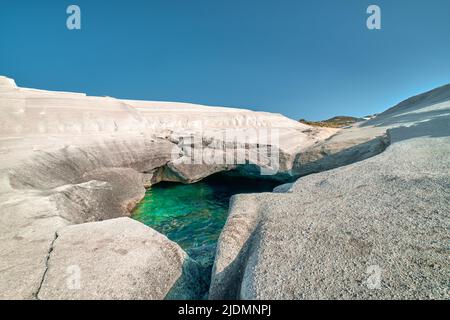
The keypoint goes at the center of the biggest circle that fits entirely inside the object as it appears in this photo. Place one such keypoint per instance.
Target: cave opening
(193, 215)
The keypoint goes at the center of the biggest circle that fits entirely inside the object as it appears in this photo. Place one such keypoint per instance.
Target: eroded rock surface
(117, 259)
(69, 159)
(375, 229)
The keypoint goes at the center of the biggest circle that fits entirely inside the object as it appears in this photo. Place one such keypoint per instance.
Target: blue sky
(306, 59)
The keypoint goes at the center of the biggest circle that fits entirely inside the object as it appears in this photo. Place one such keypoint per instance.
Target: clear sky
(306, 59)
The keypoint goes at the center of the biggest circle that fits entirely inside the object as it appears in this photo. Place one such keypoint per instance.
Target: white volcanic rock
(375, 229)
(117, 259)
(67, 158)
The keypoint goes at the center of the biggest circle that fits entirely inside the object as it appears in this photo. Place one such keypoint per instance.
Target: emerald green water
(194, 215)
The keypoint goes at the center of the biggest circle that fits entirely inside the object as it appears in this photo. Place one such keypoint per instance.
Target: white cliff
(70, 159)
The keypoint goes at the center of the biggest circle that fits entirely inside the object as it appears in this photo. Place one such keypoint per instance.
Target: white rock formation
(375, 229)
(117, 259)
(67, 158)
(69, 162)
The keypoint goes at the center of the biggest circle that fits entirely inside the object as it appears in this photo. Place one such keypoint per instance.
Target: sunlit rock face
(73, 165)
(68, 158)
(146, 264)
(372, 228)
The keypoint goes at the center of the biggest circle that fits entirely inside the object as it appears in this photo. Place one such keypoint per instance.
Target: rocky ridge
(374, 229)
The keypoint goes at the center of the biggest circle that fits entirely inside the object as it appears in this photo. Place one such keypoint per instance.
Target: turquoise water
(194, 215)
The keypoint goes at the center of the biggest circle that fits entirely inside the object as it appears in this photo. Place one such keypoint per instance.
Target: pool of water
(194, 215)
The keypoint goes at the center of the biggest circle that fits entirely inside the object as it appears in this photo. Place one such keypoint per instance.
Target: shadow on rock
(226, 284)
(388, 120)
(436, 128)
(319, 160)
(191, 285)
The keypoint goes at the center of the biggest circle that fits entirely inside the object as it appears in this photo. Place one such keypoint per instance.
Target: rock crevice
(36, 295)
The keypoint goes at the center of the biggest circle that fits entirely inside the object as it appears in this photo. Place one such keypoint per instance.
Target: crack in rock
(36, 295)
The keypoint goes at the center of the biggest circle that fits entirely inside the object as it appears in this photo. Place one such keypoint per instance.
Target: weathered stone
(375, 229)
(117, 259)
(67, 158)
